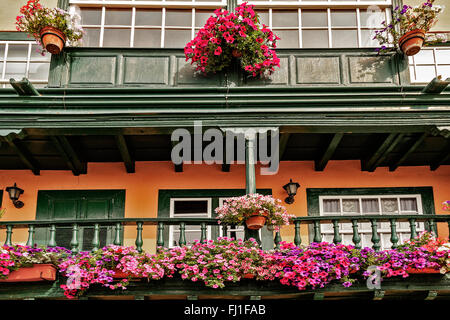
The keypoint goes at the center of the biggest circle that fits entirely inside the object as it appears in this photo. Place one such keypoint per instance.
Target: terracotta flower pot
(52, 40)
(248, 276)
(255, 222)
(424, 270)
(38, 272)
(236, 53)
(411, 42)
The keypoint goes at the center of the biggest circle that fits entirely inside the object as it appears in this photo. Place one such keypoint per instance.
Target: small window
(370, 205)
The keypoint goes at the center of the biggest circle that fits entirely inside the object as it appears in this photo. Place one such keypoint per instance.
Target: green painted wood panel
(146, 70)
(79, 204)
(93, 70)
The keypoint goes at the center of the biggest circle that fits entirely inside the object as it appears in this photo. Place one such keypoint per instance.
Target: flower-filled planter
(408, 28)
(52, 28)
(255, 210)
(37, 272)
(26, 264)
(239, 35)
(423, 270)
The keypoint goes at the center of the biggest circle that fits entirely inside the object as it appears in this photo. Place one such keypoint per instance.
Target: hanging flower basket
(408, 27)
(411, 42)
(255, 222)
(38, 272)
(237, 34)
(255, 210)
(52, 28)
(52, 40)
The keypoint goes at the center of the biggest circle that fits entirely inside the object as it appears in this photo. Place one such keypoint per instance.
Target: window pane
(331, 206)
(314, 18)
(408, 204)
(91, 16)
(263, 17)
(2, 51)
(147, 38)
(190, 207)
(370, 206)
(148, 17)
(201, 16)
(315, 38)
(118, 17)
(91, 37)
(289, 38)
(389, 206)
(284, 18)
(15, 70)
(350, 205)
(444, 71)
(367, 39)
(424, 57)
(443, 56)
(116, 38)
(425, 73)
(17, 52)
(177, 38)
(343, 18)
(179, 18)
(372, 18)
(38, 71)
(36, 55)
(344, 38)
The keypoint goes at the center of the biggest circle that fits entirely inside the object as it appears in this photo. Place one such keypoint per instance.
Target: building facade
(360, 132)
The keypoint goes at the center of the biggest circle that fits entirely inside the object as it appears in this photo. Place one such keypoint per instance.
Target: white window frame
(413, 63)
(322, 5)
(134, 4)
(403, 230)
(172, 215)
(4, 83)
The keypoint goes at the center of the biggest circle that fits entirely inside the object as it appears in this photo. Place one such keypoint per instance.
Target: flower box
(38, 272)
(119, 274)
(423, 270)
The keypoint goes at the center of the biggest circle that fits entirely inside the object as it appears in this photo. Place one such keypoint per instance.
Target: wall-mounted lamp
(14, 194)
(291, 189)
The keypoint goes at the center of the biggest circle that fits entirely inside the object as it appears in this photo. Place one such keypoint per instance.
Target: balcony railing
(314, 224)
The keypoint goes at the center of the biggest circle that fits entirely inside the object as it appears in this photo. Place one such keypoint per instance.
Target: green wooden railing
(315, 234)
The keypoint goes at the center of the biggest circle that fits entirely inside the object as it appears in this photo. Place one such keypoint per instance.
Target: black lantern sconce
(14, 194)
(291, 189)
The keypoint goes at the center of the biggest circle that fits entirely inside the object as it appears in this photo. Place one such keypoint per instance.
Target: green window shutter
(60, 205)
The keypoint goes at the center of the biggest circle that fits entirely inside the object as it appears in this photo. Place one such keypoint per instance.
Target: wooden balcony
(417, 286)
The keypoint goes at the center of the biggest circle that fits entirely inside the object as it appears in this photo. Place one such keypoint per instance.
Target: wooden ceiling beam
(320, 164)
(69, 155)
(24, 155)
(369, 164)
(408, 152)
(125, 153)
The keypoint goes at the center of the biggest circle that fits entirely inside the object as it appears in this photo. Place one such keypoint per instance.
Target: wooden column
(250, 177)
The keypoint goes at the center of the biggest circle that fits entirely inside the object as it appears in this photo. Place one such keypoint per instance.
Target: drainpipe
(250, 177)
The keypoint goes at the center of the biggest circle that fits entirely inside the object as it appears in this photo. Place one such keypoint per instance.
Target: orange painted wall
(142, 187)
